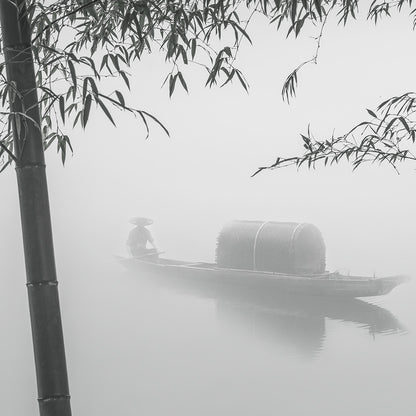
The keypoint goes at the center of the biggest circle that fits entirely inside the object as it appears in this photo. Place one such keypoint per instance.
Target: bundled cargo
(283, 247)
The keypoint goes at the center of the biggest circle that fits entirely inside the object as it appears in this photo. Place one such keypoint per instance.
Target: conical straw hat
(141, 221)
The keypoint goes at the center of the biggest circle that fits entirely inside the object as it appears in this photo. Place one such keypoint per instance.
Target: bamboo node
(54, 398)
(42, 283)
(31, 165)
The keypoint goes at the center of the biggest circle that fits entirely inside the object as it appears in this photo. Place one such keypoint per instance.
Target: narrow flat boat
(210, 274)
(274, 257)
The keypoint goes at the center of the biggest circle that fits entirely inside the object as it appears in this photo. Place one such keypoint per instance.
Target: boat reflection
(298, 320)
(298, 334)
(375, 318)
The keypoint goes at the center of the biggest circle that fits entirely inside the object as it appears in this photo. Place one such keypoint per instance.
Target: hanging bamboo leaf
(125, 78)
(120, 98)
(105, 110)
(172, 82)
(87, 108)
(62, 107)
(84, 89)
(73, 74)
(182, 81)
(293, 11)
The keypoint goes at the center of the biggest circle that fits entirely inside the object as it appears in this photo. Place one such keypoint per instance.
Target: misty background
(135, 348)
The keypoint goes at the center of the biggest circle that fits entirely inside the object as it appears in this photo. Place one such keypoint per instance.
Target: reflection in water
(302, 334)
(297, 320)
(300, 320)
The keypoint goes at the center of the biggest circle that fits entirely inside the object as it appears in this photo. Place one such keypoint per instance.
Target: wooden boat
(213, 277)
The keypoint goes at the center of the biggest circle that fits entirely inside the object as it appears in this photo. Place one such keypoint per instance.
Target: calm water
(136, 347)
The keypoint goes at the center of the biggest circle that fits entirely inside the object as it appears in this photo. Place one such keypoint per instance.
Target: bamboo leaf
(156, 120)
(126, 80)
(105, 110)
(73, 73)
(182, 80)
(293, 11)
(193, 48)
(62, 107)
(172, 82)
(120, 98)
(86, 112)
(404, 122)
(84, 89)
(318, 7)
(93, 85)
(241, 79)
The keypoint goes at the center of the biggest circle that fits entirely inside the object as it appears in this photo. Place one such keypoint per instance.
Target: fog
(140, 347)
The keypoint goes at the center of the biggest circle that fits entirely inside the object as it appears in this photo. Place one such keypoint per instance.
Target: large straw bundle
(284, 247)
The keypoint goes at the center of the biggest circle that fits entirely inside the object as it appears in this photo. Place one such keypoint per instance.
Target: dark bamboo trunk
(51, 373)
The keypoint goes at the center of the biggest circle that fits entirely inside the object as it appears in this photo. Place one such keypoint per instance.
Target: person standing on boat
(138, 238)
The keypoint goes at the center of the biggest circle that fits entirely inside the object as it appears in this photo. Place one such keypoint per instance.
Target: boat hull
(327, 284)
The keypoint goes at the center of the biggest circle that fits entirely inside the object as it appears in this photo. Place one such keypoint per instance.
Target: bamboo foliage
(389, 136)
(78, 44)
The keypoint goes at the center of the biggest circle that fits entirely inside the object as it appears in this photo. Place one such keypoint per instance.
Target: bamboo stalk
(49, 352)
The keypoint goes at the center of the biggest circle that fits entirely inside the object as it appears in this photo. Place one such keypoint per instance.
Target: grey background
(138, 349)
